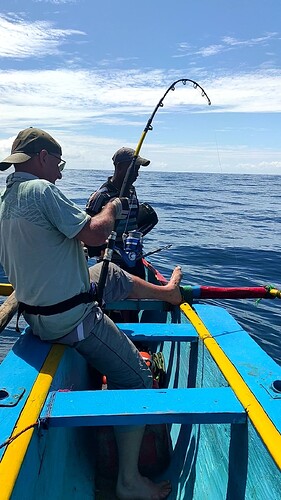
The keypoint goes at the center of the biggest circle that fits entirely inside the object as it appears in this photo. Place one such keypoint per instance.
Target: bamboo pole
(7, 310)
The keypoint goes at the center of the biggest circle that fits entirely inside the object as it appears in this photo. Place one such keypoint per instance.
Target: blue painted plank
(139, 305)
(149, 406)
(159, 331)
(217, 319)
(257, 369)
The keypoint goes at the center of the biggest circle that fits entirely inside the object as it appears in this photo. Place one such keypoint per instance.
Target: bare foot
(173, 285)
(143, 489)
(176, 276)
(169, 293)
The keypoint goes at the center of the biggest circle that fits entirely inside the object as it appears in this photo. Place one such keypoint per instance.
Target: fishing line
(128, 179)
(149, 127)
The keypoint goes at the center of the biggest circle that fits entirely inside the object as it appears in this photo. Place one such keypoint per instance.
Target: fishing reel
(132, 251)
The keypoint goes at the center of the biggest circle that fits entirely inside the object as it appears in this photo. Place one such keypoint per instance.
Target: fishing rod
(128, 180)
(149, 127)
(142, 256)
(156, 250)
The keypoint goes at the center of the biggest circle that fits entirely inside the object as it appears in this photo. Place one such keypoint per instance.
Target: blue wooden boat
(219, 413)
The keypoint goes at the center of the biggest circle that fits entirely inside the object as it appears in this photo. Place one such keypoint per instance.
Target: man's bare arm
(98, 228)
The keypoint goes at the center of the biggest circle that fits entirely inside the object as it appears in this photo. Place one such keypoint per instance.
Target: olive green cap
(127, 155)
(29, 142)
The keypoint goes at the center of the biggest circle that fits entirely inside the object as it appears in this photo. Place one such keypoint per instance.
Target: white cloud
(250, 42)
(82, 150)
(227, 43)
(97, 155)
(74, 105)
(92, 111)
(22, 39)
(211, 50)
(73, 97)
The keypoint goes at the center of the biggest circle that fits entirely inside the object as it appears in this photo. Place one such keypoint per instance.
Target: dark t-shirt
(94, 205)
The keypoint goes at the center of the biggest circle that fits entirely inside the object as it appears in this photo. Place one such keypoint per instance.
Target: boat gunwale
(261, 421)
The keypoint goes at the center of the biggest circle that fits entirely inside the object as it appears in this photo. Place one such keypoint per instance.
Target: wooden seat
(145, 406)
(139, 305)
(142, 406)
(159, 331)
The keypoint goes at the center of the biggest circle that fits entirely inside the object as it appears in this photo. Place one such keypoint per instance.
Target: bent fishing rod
(149, 127)
(128, 179)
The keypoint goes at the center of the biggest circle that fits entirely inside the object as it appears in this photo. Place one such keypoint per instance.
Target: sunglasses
(61, 164)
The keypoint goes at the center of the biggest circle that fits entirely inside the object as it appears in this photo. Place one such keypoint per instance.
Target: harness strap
(60, 307)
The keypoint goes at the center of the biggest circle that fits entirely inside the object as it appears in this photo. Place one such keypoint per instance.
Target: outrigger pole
(196, 292)
(191, 293)
(127, 182)
(199, 291)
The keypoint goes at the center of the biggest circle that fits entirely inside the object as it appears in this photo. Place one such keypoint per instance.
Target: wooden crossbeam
(143, 406)
(139, 305)
(159, 331)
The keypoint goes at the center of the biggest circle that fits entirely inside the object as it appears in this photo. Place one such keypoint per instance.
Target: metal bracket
(10, 397)
(273, 389)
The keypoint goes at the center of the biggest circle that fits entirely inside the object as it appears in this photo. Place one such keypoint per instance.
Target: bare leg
(169, 293)
(130, 484)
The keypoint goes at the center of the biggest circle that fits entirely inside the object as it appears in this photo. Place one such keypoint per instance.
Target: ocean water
(224, 231)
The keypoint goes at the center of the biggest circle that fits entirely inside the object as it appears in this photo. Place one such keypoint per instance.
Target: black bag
(147, 218)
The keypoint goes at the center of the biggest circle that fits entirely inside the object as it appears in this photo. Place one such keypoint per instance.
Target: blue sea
(225, 230)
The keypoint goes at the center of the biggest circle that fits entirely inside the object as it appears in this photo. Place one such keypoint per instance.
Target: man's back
(38, 225)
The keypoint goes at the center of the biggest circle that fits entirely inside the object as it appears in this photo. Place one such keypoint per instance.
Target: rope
(12, 438)
(273, 291)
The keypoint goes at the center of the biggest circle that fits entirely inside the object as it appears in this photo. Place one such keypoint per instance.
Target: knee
(149, 382)
(94, 272)
(147, 379)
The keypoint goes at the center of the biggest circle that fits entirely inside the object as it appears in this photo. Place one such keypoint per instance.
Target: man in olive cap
(122, 160)
(42, 255)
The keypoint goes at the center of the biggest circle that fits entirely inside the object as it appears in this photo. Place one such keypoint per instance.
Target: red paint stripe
(214, 292)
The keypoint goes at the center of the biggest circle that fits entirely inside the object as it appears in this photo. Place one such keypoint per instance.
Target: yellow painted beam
(15, 452)
(270, 436)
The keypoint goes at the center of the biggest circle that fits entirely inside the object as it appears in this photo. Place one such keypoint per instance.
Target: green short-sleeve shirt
(39, 252)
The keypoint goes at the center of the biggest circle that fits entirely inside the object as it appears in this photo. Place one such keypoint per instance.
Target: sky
(91, 73)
